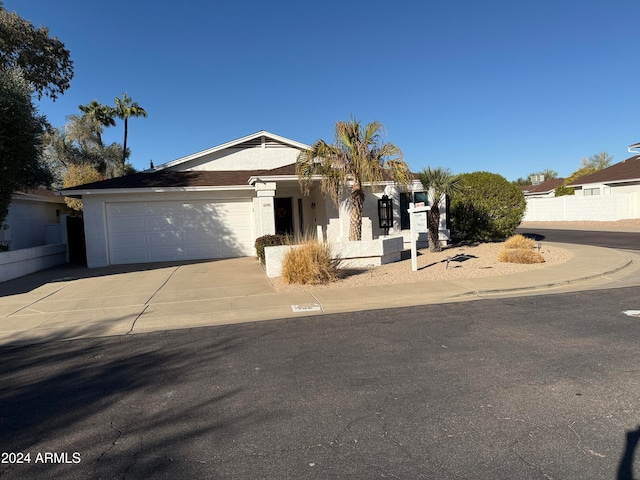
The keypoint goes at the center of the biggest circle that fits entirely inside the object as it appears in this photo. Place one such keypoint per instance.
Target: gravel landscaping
(464, 262)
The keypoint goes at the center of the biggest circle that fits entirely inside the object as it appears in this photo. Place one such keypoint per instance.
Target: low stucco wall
(17, 263)
(361, 254)
(574, 208)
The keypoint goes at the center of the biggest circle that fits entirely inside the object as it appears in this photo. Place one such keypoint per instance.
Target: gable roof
(255, 139)
(183, 180)
(543, 187)
(625, 171)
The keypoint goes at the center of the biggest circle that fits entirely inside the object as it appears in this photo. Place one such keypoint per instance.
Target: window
(591, 191)
(405, 198)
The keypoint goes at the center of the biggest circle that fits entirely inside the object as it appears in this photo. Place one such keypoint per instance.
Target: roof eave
(120, 191)
(35, 198)
(276, 178)
(606, 182)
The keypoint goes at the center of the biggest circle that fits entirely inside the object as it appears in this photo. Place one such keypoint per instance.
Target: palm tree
(125, 108)
(357, 157)
(101, 114)
(442, 183)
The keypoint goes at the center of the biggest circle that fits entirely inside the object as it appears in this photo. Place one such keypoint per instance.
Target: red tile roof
(625, 170)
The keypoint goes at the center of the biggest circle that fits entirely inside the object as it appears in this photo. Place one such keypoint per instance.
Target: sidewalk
(65, 303)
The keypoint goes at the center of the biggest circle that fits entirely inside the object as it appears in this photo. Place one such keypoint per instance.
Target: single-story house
(544, 189)
(622, 177)
(215, 203)
(30, 219)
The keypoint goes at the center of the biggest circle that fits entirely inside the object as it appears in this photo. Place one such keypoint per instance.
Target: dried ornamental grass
(310, 263)
(520, 255)
(519, 241)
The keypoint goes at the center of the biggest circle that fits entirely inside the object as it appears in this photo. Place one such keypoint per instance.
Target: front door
(284, 215)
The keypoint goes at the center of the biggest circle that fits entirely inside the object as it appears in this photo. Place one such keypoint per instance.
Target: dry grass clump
(520, 242)
(520, 255)
(519, 249)
(310, 263)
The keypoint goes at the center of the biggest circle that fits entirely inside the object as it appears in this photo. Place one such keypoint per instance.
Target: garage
(154, 231)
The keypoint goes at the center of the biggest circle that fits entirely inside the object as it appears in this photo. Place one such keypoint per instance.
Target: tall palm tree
(101, 114)
(441, 183)
(125, 108)
(358, 157)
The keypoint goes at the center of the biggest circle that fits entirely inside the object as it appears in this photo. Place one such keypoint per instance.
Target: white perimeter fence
(571, 207)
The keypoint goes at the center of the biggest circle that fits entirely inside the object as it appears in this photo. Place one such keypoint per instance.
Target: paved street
(538, 387)
(625, 240)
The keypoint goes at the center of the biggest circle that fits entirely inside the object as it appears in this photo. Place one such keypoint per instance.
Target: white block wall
(576, 208)
(18, 263)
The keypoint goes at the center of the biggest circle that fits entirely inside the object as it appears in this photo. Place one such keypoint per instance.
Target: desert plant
(519, 241)
(442, 184)
(310, 263)
(358, 157)
(520, 255)
(269, 241)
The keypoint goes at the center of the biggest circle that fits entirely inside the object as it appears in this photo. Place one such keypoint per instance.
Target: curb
(544, 286)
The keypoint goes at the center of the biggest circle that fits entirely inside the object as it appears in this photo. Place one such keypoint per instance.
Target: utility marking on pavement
(306, 307)
(632, 313)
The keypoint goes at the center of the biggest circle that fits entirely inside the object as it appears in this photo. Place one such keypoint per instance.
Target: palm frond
(358, 155)
(441, 181)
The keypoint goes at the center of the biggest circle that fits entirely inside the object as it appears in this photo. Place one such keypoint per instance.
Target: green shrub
(520, 255)
(581, 172)
(487, 207)
(310, 263)
(270, 241)
(519, 241)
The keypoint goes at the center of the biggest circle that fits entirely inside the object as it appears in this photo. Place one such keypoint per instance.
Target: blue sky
(505, 86)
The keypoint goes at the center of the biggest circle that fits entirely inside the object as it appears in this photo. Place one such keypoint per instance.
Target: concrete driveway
(71, 302)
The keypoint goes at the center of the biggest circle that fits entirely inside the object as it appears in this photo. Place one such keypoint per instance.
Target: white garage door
(179, 230)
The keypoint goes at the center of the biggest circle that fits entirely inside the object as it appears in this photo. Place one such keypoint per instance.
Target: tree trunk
(124, 147)
(356, 201)
(433, 225)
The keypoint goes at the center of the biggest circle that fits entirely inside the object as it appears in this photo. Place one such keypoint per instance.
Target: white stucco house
(31, 220)
(215, 203)
(544, 189)
(610, 194)
(622, 177)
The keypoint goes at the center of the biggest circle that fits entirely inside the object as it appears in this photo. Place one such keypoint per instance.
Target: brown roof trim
(543, 187)
(182, 179)
(625, 170)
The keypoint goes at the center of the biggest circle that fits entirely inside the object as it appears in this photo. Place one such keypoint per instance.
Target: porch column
(263, 208)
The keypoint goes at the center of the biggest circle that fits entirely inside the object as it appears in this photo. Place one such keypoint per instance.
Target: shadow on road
(119, 403)
(625, 469)
(533, 236)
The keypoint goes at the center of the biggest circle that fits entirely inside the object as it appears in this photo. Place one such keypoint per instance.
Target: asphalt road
(538, 387)
(624, 240)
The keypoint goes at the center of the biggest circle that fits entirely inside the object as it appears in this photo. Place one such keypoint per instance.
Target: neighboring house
(610, 194)
(623, 177)
(215, 203)
(30, 215)
(545, 189)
